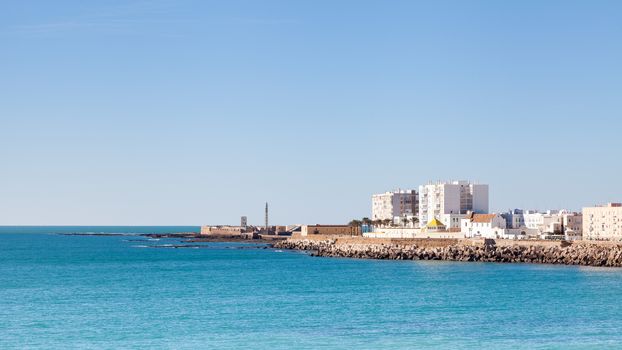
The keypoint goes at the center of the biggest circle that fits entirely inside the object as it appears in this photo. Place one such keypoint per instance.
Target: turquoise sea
(128, 292)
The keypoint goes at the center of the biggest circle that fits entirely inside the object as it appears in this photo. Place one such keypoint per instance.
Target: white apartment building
(389, 205)
(603, 222)
(449, 202)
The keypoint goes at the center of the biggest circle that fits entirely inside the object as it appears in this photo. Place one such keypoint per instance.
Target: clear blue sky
(191, 112)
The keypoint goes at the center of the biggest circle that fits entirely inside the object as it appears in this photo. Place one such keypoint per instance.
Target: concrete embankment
(542, 252)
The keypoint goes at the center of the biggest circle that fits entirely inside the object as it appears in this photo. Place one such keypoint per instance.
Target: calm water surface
(120, 292)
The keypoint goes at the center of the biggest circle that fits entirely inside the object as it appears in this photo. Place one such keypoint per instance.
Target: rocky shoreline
(577, 253)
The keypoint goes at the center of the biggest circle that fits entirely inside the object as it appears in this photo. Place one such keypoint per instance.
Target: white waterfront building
(395, 205)
(483, 225)
(548, 224)
(450, 201)
(491, 226)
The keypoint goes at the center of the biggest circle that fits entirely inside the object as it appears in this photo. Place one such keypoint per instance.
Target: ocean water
(128, 292)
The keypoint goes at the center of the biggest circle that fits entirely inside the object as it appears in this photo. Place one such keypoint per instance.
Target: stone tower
(266, 217)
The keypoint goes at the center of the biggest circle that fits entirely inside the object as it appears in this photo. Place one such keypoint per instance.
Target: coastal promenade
(585, 253)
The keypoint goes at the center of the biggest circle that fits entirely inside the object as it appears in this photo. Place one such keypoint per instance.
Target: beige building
(389, 205)
(223, 230)
(572, 224)
(603, 222)
(307, 230)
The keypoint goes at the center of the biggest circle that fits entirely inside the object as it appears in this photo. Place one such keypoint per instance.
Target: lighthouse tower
(267, 228)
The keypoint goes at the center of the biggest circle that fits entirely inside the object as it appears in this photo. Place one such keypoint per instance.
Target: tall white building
(400, 203)
(450, 201)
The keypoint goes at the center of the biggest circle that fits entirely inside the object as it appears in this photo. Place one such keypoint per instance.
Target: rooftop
(482, 218)
(435, 223)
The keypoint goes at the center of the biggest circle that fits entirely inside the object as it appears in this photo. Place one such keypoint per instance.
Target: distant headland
(451, 220)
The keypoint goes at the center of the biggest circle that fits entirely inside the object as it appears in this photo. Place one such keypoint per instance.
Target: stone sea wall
(541, 252)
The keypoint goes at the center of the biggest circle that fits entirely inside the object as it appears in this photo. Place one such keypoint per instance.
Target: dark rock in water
(489, 242)
(177, 246)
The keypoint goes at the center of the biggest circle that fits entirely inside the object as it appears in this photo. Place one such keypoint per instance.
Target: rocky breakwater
(578, 253)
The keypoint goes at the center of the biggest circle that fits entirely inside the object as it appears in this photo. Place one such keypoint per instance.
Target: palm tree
(405, 220)
(354, 223)
(386, 222)
(414, 220)
(366, 221)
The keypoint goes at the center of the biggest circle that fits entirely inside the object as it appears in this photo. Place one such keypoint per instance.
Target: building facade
(223, 230)
(437, 200)
(514, 218)
(483, 225)
(603, 222)
(228, 231)
(547, 222)
(389, 205)
(572, 224)
(451, 221)
(552, 224)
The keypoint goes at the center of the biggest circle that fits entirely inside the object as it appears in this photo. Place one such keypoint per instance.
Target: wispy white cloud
(127, 16)
(86, 24)
(134, 16)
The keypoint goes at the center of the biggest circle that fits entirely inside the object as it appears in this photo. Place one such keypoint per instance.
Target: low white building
(409, 233)
(550, 224)
(483, 225)
(452, 221)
